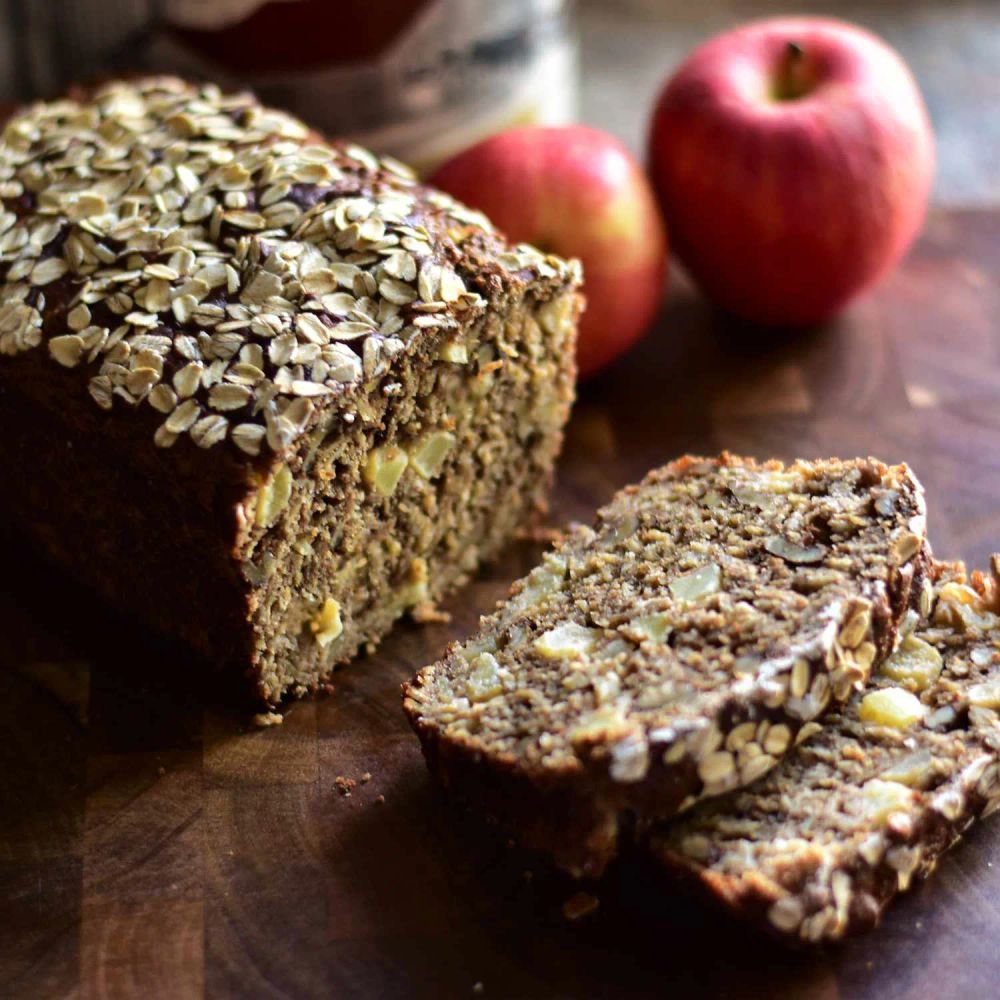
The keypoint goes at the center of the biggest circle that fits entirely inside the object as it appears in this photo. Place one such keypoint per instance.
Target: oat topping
(212, 259)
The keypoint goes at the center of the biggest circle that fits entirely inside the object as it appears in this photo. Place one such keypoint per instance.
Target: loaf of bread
(619, 679)
(817, 849)
(260, 391)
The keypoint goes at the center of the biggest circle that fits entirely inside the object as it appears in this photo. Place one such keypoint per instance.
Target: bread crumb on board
(344, 785)
(262, 720)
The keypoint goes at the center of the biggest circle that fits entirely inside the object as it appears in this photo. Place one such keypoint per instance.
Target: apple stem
(793, 81)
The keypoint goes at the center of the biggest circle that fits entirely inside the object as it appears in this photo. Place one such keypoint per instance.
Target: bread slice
(817, 849)
(623, 675)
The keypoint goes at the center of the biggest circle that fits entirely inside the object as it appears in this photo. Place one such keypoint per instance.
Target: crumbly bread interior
(384, 516)
(817, 848)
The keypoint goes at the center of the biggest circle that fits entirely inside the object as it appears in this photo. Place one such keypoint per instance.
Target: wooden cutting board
(153, 843)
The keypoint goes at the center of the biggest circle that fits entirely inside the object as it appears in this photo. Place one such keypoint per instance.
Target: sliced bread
(623, 677)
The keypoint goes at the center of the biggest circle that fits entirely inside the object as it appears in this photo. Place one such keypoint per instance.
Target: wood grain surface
(154, 844)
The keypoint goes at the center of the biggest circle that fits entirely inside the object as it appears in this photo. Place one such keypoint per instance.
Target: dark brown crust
(875, 887)
(152, 532)
(574, 812)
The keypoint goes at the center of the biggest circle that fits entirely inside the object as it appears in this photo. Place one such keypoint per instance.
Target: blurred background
(425, 78)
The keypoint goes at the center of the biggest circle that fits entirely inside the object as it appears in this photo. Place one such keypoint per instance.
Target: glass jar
(419, 79)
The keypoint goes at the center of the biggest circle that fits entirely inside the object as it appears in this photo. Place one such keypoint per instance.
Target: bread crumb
(579, 906)
(264, 719)
(344, 785)
(380, 800)
(366, 777)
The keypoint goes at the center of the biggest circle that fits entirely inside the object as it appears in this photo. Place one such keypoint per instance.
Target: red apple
(793, 159)
(576, 192)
